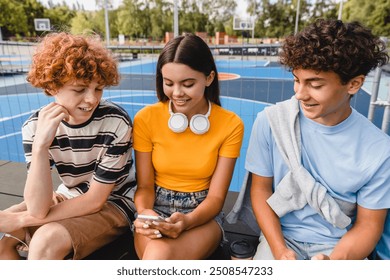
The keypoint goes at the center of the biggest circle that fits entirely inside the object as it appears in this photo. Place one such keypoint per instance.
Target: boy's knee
(50, 241)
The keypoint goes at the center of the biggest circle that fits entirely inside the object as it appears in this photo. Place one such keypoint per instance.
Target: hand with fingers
(286, 254)
(173, 226)
(321, 257)
(48, 121)
(147, 226)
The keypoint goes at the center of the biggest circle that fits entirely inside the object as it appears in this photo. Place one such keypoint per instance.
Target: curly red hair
(62, 57)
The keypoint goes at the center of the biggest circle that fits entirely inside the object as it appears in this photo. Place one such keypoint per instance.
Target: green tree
(82, 22)
(32, 9)
(277, 18)
(218, 10)
(143, 18)
(60, 16)
(99, 24)
(13, 21)
(375, 15)
(323, 9)
(131, 19)
(191, 18)
(161, 18)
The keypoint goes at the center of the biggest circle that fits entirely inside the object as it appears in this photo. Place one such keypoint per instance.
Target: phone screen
(150, 218)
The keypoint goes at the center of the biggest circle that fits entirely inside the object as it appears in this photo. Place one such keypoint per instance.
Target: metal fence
(256, 80)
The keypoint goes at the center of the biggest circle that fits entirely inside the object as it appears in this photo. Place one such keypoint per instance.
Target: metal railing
(375, 102)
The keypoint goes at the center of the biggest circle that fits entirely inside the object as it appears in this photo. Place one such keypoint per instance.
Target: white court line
(16, 116)
(10, 135)
(154, 94)
(10, 118)
(132, 103)
(124, 103)
(245, 100)
(107, 97)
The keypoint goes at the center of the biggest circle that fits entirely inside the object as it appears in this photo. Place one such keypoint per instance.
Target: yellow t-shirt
(185, 161)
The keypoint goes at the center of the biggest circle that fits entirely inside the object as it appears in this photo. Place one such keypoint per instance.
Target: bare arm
(38, 190)
(210, 206)
(267, 220)
(144, 195)
(361, 239)
(88, 203)
(215, 199)
(206, 210)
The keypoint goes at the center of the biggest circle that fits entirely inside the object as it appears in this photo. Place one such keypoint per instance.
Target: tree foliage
(374, 14)
(60, 16)
(81, 22)
(277, 18)
(153, 18)
(13, 20)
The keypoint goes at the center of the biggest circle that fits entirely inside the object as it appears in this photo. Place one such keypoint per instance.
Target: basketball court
(247, 86)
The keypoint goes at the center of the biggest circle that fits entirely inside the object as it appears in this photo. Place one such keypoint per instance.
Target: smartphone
(2, 235)
(151, 218)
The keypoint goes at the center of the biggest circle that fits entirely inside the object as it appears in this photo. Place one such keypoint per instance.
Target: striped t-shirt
(99, 149)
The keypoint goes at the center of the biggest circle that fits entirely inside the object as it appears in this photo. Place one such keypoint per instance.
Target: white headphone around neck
(199, 124)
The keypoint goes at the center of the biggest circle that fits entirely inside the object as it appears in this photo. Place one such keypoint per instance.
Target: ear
(355, 84)
(50, 92)
(210, 78)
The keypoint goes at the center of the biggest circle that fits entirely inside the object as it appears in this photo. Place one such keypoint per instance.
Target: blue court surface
(245, 68)
(259, 83)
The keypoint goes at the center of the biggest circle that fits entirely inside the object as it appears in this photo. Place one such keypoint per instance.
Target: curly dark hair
(348, 49)
(62, 57)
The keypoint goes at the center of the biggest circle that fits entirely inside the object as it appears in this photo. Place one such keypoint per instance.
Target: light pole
(175, 19)
(106, 22)
(340, 10)
(297, 17)
(253, 15)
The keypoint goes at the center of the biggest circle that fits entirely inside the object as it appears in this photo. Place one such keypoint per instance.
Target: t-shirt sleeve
(376, 193)
(231, 147)
(258, 158)
(141, 131)
(27, 135)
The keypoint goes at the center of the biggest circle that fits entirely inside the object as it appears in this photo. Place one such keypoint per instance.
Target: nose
(90, 96)
(177, 91)
(300, 91)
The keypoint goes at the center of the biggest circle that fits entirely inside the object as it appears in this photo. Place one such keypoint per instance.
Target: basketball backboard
(42, 24)
(242, 23)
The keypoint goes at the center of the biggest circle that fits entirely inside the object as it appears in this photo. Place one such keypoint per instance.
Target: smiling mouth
(85, 109)
(180, 101)
(309, 105)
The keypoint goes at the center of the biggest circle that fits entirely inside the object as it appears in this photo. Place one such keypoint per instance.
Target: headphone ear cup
(199, 124)
(178, 122)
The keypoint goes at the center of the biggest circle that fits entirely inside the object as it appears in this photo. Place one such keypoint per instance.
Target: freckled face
(79, 99)
(322, 97)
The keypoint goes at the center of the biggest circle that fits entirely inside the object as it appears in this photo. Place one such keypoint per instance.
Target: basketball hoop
(243, 23)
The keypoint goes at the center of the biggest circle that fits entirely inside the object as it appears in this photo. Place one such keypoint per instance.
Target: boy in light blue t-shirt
(320, 170)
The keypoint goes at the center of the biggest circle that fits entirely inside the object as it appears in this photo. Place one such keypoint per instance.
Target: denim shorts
(168, 201)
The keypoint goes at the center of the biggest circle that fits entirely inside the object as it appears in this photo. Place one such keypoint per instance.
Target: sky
(90, 4)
